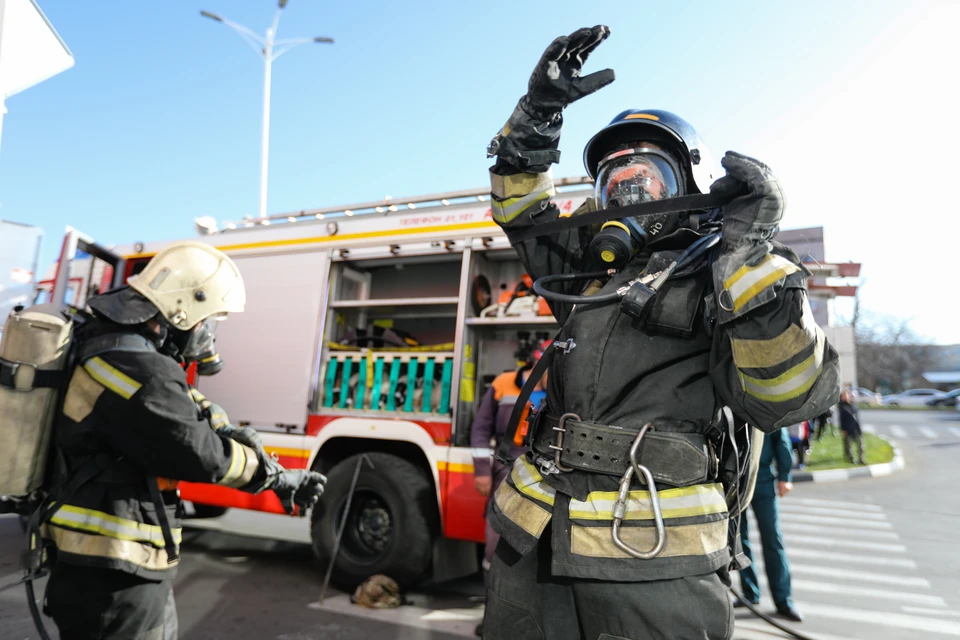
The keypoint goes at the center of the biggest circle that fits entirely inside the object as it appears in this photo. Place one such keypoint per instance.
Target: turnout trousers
(90, 603)
(526, 602)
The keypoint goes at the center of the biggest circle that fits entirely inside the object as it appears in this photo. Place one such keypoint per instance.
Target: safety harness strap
(695, 202)
(11, 371)
(168, 542)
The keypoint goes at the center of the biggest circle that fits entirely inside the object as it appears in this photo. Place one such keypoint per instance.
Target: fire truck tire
(391, 525)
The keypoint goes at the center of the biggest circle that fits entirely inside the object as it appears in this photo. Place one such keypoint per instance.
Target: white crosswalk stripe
(897, 431)
(785, 507)
(869, 428)
(851, 521)
(928, 432)
(848, 566)
(838, 504)
(955, 431)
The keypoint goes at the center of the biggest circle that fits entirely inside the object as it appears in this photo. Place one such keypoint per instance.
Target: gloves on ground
(529, 140)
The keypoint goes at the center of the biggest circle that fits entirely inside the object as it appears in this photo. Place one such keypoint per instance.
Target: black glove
(750, 221)
(296, 488)
(529, 139)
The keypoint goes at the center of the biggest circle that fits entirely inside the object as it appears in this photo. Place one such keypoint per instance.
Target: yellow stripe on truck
(340, 238)
(289, 453)
(455, 467)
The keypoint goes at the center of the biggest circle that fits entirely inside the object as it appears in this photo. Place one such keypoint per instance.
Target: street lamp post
(270, 49)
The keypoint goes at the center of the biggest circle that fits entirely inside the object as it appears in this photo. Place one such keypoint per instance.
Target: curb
(868, 471)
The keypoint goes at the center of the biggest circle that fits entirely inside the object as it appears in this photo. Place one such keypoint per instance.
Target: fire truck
(369, 331)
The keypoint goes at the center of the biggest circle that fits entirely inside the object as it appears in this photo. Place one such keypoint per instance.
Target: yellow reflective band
(85, 544)
(519, 184)
(529, 482)
(505, 211)
(111, 526)
(686, 540)
(747, 281)
(685, 502)
(111, 378)
(641, 116)
(527, 515)
(210, 358)
(793, 383)
(196, 395)
(760, 354)
(243, 465)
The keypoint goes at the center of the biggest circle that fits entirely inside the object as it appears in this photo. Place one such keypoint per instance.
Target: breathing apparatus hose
(676, 269)
(771, 621)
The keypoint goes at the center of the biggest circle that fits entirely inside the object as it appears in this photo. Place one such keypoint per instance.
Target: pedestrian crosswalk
(922, 431)
(851, 571)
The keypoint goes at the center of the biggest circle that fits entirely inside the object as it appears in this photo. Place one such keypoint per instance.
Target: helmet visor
(634, 176)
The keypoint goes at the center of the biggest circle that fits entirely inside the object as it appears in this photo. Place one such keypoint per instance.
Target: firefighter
(129, 431)
(490, 427)
(668, 347)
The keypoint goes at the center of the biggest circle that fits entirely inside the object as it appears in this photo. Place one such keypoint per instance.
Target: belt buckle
(558, 447)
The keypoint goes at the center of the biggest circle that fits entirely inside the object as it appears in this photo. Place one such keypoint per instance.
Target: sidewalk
(840, 475)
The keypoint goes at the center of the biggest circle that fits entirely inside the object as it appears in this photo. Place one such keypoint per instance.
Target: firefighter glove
(529, 140)
(244, 435)
(751, 220)
(297, 488)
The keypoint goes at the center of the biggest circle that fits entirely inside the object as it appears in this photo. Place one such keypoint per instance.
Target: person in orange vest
(490, 427)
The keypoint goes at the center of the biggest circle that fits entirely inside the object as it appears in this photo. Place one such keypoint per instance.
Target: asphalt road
(872, 558)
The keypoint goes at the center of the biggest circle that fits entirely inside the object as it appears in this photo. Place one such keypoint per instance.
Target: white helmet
(189, 282)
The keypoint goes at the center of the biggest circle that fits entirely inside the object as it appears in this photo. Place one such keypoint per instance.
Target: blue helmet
(654, 125)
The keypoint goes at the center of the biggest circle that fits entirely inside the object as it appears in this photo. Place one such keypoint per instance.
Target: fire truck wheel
(390, 526)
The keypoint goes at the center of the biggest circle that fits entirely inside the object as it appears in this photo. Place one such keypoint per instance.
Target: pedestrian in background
(823, 421)
(850, 427)
(800, 441)
(773, 479)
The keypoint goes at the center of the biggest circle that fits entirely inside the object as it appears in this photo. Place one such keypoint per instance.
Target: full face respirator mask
(627, 177)
(196, 345)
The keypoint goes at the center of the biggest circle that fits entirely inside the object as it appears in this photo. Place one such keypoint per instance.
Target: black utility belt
(676, 459)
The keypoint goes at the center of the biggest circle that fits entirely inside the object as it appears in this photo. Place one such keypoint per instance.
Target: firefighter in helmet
(130, 429)
(673, 340)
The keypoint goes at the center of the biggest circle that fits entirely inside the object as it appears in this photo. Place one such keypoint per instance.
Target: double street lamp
(270, 49)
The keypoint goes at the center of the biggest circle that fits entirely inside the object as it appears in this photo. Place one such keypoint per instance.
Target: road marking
(785, 507)
(819, 541)
(903, 621)
(851, 558)
(866, 576)
(867, 592)
(928, 432)
(838, 531)
(869, 428)
(859, 506)
(955, 431)
(897, 431)
(867, 524)
(935, 612)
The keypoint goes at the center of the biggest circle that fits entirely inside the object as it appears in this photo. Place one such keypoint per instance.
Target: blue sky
(159, 121)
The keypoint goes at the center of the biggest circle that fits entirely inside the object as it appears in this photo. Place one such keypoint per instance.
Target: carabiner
(620, 506)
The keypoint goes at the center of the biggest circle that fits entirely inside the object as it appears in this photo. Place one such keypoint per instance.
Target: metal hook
(620, 506)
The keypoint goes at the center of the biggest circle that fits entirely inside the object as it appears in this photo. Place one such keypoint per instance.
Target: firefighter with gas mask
(130, 429)
(674, 338)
